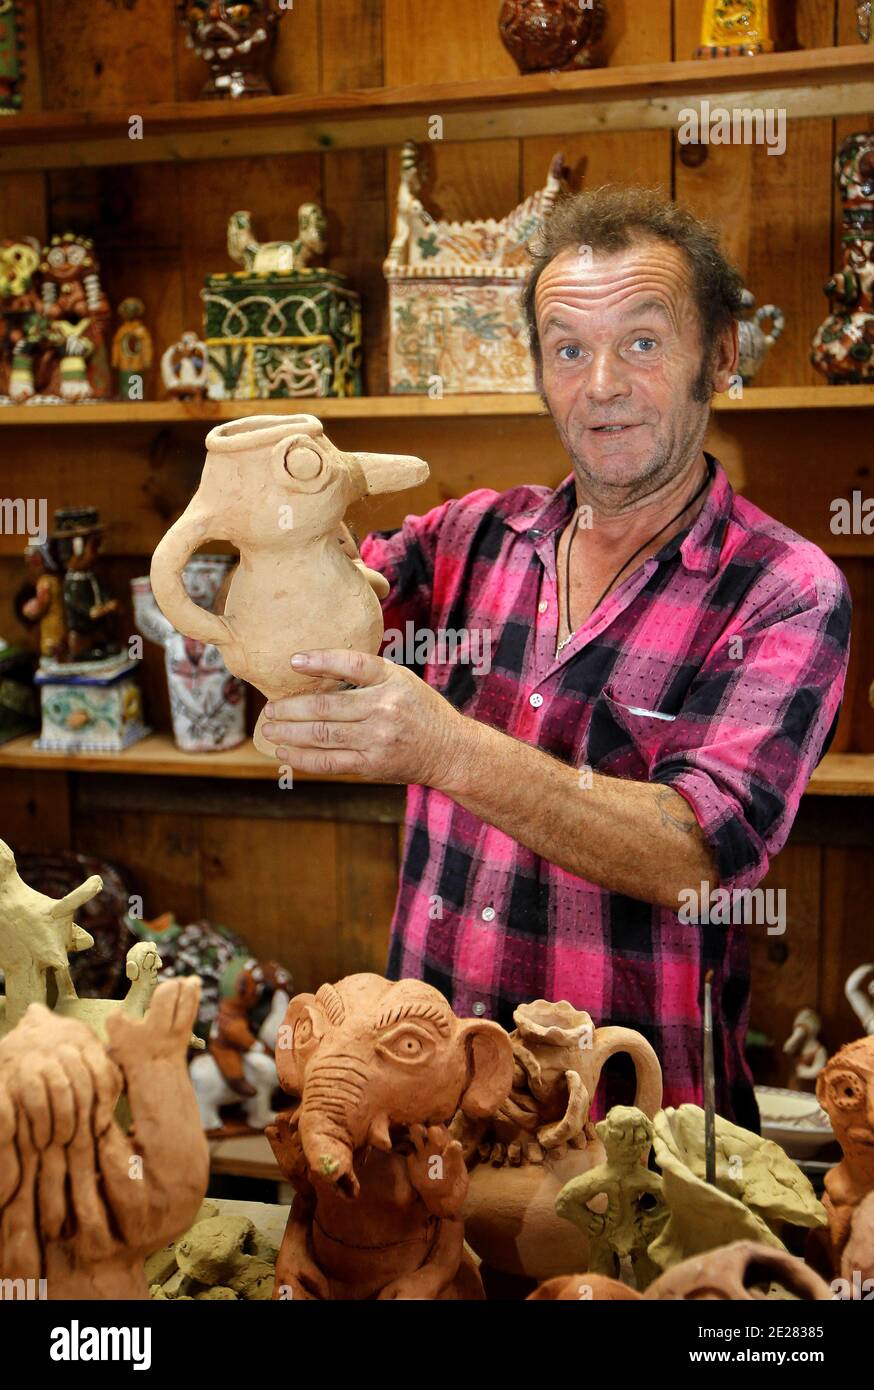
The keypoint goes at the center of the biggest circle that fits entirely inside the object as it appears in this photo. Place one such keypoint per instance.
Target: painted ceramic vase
(843, 346)
(735, 29)
(207, 703)
(754, 340)
(552, 34)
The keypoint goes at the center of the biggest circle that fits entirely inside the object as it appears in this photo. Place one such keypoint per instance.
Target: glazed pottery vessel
(207, 703)
(735, 29)
(235, 41)
(552, 34)
(754, 339)
(278, 489)
(843, 346)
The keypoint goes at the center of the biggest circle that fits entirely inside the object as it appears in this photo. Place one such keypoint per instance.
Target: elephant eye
(406, 1044)
(846, 1090)
(303, 1031)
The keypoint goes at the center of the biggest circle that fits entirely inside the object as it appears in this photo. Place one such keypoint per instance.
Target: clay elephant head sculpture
(380, 1067)
(278, 489)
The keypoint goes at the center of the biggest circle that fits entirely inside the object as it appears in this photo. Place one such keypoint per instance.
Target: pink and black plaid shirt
(655, 686)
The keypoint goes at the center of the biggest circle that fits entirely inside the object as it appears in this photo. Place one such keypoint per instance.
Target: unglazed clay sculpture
(277, 488)
(141, 968)
(81, 1204)
(36, 934)
(212, 1261)
(541, 1137)
(741, 1271)
(857, 1261)
(804, 1043)
(757, 1188)
(583, 1288)
(380, 1068)
(620, 1231)
(859, 990)
(845, 1090)
(239, 1067)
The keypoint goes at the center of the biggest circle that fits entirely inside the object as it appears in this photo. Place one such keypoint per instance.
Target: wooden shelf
(244, 1156)
(395, 407)
(816, 82)
(839, 774)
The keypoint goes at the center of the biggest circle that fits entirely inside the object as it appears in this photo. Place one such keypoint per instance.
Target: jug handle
(648, 1092)
(778, 322)
(171, 596)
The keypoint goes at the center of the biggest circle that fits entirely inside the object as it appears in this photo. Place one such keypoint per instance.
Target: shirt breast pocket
(625, 738)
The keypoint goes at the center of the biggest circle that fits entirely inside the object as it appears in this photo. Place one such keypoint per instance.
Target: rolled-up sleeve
(755, 723)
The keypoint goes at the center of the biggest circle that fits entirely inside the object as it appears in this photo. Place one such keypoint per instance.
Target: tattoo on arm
(675, 811)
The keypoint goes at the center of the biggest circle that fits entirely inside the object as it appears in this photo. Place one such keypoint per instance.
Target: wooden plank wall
(319, 890)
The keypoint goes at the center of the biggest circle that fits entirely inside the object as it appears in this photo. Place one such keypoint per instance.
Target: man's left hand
(391, 728)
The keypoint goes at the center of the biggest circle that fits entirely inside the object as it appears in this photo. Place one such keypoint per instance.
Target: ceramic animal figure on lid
(845, 1089)
(278, 489)
(380, 1067)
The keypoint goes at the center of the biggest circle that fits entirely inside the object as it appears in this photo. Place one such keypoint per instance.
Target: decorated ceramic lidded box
(455, 318)
(281, 327)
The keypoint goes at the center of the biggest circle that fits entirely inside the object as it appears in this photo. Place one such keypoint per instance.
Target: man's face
(622, 353)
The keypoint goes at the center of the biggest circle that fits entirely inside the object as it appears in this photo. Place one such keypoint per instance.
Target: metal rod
(709, 1085)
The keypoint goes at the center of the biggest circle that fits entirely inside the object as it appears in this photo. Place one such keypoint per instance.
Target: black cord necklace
(622, 568)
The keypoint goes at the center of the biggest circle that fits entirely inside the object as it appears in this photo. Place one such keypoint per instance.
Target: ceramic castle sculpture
(859, 990)
(754, 339)
(757, 1188)
(277, 488)
(239, 1067)
(541, 1137)
(621, 1227)
(552, 34)
(735, 29)
(36, 935)
(281, 326)
(380, 1068)
(207, 703)
(804, 1043)
(236, 41)
(70, 1213)
(843, 346)
(845, 1090)
(455, 320)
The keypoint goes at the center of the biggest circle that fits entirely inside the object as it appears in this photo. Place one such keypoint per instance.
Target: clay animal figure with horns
(278, 489)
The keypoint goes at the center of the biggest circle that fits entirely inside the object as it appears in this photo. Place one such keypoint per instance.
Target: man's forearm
(637, 838)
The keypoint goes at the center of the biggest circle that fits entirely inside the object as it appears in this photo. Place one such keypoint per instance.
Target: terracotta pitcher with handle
(542, 1137)
(278, 489)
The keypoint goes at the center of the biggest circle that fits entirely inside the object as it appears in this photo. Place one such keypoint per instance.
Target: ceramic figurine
(69, 1212)
(78, 314)
(621, 1229)
(277, 489)
(184, 368)
(198, 948)
(236, 41)
(583, 1288)
(239, 1067)
(552, 34)
(863, 20)
(739, 1272)
(132, 350)
(207, 703)
(19, 713)
(281, 327)
(47, 605)
(36, 935)
(754, 341)
(735, 29)
(804, 1043)
(455, 320)
(845, 1089)
(541, 1137)
(11, 60)
(843, 346)
(757, 1188)
(88, 609)
(859, 990)
(21, 324)
(221, 1257)
(380, 1067)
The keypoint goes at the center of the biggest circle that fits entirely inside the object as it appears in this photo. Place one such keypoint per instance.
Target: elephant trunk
(329, 1121)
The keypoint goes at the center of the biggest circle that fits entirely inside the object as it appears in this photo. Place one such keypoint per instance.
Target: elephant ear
(489, 1068)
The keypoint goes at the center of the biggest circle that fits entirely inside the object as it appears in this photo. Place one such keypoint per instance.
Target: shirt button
(535, 534)
(479, 1009)
(542, 606)
(535, 700)
(488, 914)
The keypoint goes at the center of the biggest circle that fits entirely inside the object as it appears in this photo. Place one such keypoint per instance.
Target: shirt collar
(700, 545)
